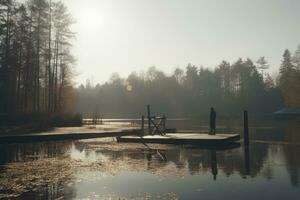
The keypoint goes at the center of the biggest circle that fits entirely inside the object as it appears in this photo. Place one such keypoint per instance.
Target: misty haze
(161, 99)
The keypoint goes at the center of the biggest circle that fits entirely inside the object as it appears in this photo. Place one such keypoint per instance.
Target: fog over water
(125, 36)
(102, 168)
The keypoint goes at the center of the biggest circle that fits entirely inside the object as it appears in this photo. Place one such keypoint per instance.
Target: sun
(91, 19)
(93, 16)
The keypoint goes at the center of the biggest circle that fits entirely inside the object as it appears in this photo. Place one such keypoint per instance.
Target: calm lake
(104, 169)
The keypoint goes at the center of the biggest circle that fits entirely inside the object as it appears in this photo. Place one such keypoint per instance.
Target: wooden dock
(67, 134)
(184, 138)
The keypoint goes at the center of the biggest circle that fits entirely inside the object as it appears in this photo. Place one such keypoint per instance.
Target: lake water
(103, 169)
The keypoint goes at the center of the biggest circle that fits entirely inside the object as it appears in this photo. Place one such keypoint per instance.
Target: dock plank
(71, 135)
(184, 138)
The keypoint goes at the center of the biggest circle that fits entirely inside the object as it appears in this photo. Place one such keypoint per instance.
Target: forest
(230, 88)
(36, 66)
(37, 72)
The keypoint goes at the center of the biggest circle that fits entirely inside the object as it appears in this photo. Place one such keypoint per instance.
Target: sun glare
(94, 16)
(91, 19)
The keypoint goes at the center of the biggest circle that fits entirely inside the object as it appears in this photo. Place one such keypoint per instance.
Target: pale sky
(131, 35)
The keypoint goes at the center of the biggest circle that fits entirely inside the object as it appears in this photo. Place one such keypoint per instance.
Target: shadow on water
(104, 169)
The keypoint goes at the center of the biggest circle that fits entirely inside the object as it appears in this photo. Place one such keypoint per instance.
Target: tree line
(35, 59)
(230, 88)
(289, 80)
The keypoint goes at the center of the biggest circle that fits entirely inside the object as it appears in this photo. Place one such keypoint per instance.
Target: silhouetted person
(212, 121)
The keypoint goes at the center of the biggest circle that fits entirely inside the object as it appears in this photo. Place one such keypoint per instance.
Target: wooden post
(149, 119)
(246, 129)
(142, 125)
(164, 123)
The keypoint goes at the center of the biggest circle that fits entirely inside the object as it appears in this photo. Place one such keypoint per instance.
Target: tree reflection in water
(104, 157)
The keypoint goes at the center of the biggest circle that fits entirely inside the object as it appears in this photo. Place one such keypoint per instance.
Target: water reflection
(102, 168)
(293, 163)
(214, 168)
(247, 160)
(32, 151)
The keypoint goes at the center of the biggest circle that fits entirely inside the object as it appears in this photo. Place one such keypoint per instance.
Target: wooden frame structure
(156, 125)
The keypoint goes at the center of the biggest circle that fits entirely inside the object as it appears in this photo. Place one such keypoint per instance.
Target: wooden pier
(67, 134)
(156, 132)
(184, 138)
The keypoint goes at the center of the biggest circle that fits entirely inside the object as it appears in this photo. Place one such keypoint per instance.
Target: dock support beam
(246, 129)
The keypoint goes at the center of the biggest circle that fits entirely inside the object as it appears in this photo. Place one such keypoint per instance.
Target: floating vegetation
(112, 144)
(36, 171)
(18, 178)
(21, 177)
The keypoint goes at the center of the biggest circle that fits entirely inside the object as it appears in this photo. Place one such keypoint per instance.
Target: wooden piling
(164, 123)
(142, 124)
(246, 129)
(149, 119)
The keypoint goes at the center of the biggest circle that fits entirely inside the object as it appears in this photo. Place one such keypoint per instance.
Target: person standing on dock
(213, 116)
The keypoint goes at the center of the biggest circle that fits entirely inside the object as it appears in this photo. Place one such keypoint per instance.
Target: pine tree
(288, 81)
(262, 65)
